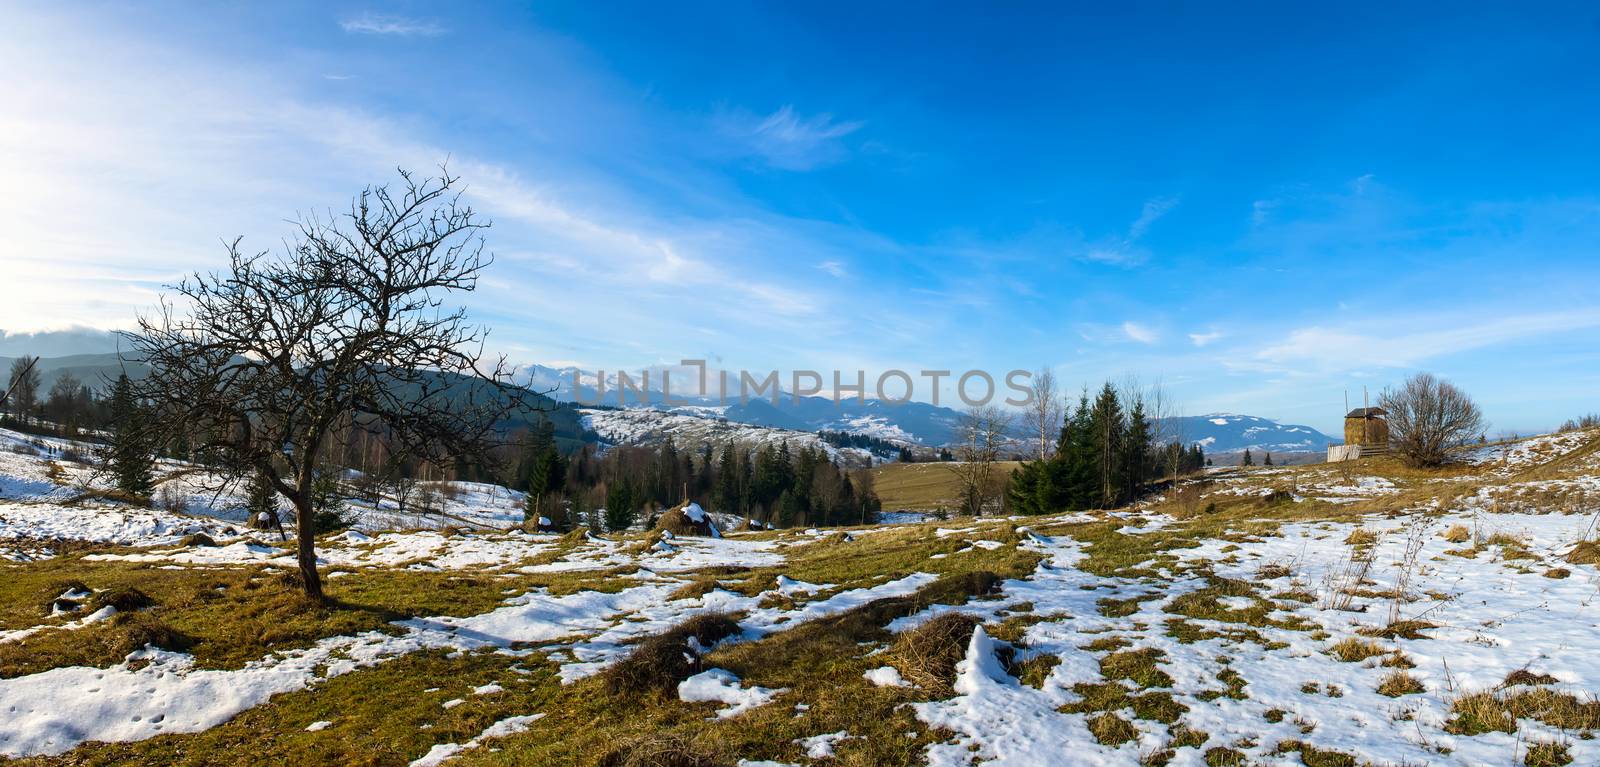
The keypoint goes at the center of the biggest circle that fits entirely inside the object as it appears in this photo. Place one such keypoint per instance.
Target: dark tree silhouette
(274, 356)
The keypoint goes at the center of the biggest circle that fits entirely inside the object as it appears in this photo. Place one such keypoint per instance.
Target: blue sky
(1261, 207)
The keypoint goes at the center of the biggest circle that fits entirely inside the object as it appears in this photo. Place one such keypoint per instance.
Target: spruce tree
(129, 456)
(728, 483)
(1247, 460)
(1106, 429)
(1136, 451)
(1267, 461)
(261, 503)
(620, 505)
(328, 500)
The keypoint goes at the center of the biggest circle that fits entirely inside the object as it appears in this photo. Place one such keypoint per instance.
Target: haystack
(688, 519)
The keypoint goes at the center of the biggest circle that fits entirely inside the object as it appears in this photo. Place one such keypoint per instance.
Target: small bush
(660, 662)
(1458, 534)
(171, 499)
(196, 539)
(139, 630)
(661, 751)
(126, 599)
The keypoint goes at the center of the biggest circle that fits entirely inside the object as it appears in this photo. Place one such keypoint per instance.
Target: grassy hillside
(921, 486)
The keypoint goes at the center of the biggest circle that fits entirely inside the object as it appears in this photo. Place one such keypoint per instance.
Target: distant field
(921, 486)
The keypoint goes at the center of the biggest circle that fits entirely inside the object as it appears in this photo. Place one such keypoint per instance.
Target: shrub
(660, 662)
(660, 751)
(1427, 417)
(126, 599)
(171, 499)
(140, 630)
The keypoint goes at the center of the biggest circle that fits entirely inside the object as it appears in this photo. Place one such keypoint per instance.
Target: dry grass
(1547, 754)
(1406, 629)
(923, 486)
(1352, 650)
(927, 655)
(1497, 712)
(1523, 676)
(1585, 553)
(1361, 537)
(677, 522)
(1400, 683)
(1273, 570)
(1458, 534)
(1112, 730)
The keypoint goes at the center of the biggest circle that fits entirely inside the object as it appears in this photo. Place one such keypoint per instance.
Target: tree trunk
(305, 524)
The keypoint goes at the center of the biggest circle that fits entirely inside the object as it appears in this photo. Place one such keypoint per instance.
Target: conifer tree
(1267, 461)
(328, 500)
(620, 505)
(728, 483)
(261, 503)
(1106, 428)
(1136, 451)
(1247, 460)
(129, 455)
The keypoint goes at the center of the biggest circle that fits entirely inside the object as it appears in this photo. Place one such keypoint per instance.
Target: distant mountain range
(1230, 433)
(912, 423)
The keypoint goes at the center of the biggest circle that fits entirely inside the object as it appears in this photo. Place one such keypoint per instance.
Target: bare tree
(1045, 411)
(22, 387)
(276, 354)
(1162, 410)
(982, 434)
(1427, 417)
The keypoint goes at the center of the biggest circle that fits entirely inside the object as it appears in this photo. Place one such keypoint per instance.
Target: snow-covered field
(1323, 625)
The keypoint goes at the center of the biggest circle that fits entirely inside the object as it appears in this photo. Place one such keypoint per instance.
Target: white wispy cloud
(1125, 250)
(1204, 339)
(1141, 333)
(396, 26)
(787, 140)
(1153, 210)
(834, 268)
(1401, 342)
(562, 254)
